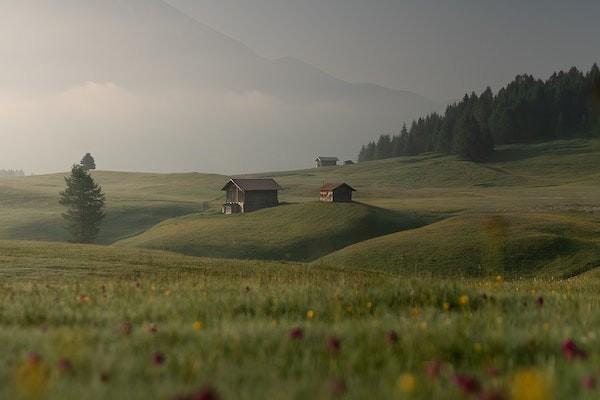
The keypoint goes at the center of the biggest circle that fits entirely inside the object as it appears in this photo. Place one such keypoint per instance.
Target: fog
(147, 87)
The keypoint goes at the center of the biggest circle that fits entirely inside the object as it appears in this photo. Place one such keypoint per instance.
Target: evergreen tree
(88, 162)
(472, 143)
(84, 200)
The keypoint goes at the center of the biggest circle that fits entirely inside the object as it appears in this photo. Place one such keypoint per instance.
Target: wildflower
(310, 314)
(84, 298)
(126, 328)
(369, 305)
(65, 365)
(338, 387)
(446, 306)
(197, 326)
(540, 301)
(158, 359)
(334, 345)
(407, 382)
(415, 312)
(530, 385)
(392, 337)
(492, 395)
(589, 382)
(152, 329)
(468, 384)
(206, 393)
(463, 300)
(33, 376)
(433, 369)
(104, 377)
(296, 334)
(571, 351)
(499, 279)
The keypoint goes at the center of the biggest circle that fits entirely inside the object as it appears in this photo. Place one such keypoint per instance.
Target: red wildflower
(65, 365)
(296, 334)
(158, 359)
(34, 359)
(589, 382)
(338, 387)
(571, 351)
(540, 301)
(468, 384)
(492, 395)
(392, 337)
(152, 329)
(433, 369)
(334, 345)
(206, 393)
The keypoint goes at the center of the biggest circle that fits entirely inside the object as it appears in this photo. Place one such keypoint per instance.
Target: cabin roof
(329, 187)
(253, 184)
(327, 158)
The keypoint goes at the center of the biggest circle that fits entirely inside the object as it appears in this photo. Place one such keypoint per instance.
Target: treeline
(11, 172)
(566, 105)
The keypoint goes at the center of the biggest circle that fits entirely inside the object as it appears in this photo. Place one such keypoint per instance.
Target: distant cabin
(337, 192)
(247, 195)
(326, 161)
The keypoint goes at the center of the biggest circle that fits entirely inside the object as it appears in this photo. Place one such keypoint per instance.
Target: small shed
(326, 161)
(336, 192)
(247, 195)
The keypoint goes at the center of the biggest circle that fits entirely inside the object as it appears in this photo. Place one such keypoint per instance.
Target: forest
(11, 172)
(527, 110)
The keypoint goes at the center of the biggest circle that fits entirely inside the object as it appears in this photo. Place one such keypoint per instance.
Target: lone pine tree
(84, 200)
(88, 162)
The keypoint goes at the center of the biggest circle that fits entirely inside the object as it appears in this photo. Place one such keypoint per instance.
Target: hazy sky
(230, 86)
(439, 48)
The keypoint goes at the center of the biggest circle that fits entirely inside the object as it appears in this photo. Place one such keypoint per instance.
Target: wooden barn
(326, 161)
(337, 192)
(247, 195)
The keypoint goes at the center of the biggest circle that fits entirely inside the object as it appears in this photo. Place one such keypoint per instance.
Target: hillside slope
(510, 245)
(300, 232)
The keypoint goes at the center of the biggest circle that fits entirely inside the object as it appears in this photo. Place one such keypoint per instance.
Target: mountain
(147, 87)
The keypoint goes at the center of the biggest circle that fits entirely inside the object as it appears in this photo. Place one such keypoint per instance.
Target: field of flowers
(286, 331)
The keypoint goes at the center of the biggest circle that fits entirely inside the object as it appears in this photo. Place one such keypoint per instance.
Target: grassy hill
(29, 208)
(509, 245)
(290, 232)
(547, 181)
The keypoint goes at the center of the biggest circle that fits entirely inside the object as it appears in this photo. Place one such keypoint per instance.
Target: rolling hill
(299, 232)
(536, 188)
(508, 245)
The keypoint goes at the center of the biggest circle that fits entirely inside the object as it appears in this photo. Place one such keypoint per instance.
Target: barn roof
(327, 158)
(328, 187)
(253, 184)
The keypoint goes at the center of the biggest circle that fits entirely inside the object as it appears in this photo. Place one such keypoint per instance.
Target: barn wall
(342, 194)
(260, 199)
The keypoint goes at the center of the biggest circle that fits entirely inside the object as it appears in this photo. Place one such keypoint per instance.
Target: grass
(300, 232)
(97, 308)
(484, 270)
(513, 245)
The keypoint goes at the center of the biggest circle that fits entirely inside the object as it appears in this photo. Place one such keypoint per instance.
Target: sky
(440, 48)
(233, 86)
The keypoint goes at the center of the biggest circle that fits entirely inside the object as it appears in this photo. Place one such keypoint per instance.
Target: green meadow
(445, 279)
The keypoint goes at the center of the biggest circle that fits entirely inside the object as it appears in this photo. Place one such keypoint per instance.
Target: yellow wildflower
(197, 326)
(310, 314)
(530, 385)
(407, 383)
(463, 300)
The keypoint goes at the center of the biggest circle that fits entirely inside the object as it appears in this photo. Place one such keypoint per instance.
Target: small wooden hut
(247, 195)
(337, 192)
